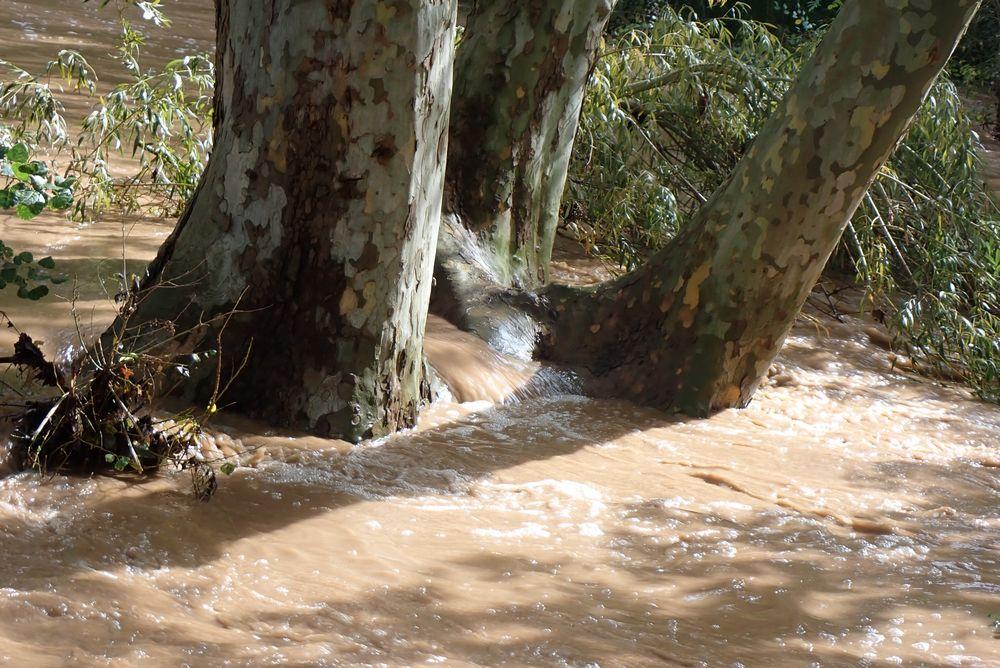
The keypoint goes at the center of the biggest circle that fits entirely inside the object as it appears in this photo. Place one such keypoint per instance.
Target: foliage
(28, 187)
(159, 118)
(99, 412)
(926, 241)
(977, 59)
(99, 415)
(799, 14)
(669, 111)
(782, 15)
(162, 119)
(673, 105)
(976, 63)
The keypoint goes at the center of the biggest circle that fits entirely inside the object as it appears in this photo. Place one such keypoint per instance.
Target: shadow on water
(441, 460)
(734, 591)
(729, 607)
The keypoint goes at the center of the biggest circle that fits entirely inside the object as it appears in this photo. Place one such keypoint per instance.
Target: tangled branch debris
(96, 413)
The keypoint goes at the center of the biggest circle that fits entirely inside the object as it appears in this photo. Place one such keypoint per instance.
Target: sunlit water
(850, 516)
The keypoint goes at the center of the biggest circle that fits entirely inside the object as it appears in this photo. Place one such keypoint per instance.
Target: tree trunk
(318, 214)
(520, 77)
(696, 329)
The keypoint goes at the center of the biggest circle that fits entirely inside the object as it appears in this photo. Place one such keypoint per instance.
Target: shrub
(28, 188)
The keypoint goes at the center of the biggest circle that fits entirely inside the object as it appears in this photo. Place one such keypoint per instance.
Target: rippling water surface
(850, 516)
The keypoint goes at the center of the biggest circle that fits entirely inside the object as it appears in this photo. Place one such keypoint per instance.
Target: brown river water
(848, 517)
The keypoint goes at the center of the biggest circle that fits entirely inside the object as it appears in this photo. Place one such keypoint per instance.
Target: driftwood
(27, 355)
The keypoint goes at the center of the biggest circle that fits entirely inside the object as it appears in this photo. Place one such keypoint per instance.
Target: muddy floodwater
(849, 517)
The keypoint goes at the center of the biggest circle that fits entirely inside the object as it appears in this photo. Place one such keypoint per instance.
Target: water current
(848, 517)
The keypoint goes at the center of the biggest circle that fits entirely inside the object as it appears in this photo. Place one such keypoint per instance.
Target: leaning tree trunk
(697, 327)
(520, 76)
(318, 213)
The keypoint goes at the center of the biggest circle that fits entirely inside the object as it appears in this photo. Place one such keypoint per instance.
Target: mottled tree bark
(520, 77)
(696, 328)
(318, 213)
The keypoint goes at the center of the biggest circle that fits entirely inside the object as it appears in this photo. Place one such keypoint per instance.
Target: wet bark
(318, 213)
(696, 328)
(520, 77)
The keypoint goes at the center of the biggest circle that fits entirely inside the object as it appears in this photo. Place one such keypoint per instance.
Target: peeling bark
(696, 328)
(318, 214)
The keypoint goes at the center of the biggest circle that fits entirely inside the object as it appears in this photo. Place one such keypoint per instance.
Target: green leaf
(28, 197)
(61, 199)
(109, 458)
(28, 211)
(18, 153)
(47, 263)
(38, 292)
(23, 257)
(228, 468)
(23, 172)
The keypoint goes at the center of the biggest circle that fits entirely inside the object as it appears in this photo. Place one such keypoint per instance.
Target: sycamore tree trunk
(520, 76)
(318, 213)
(697, 327)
